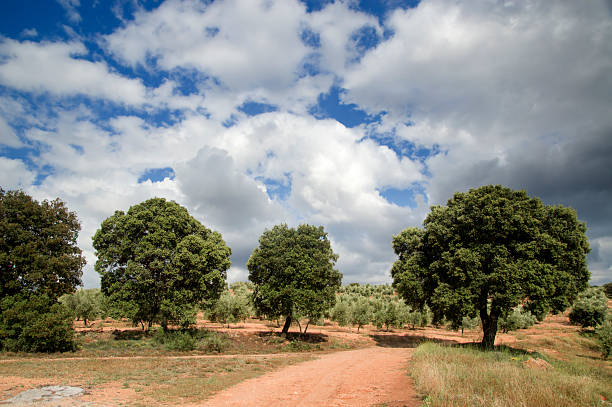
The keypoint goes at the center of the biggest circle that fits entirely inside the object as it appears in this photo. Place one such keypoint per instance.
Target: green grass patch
(467, 376)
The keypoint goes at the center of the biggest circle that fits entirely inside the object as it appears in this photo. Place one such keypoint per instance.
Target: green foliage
(604, 334)
(469, 323)
(341, 313)
(157, 262)
(182, 341)
(492, 245)
(293, 273)
(361, 313)
(186, 340)
(86, 304)
(367, 290)
(242, 287)
(608, 289)
(214, 342)
(38, 247)
(518, 318)
(35, 324)
(231, 307)
(361, 304)
(590, 308)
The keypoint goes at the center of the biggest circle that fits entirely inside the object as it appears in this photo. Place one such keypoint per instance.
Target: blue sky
(354, 115)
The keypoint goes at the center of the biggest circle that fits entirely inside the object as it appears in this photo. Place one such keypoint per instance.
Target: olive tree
(157, 263)
(293, 273)
(488, 250)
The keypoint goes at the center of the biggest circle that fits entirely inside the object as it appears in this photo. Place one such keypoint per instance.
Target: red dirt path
(363, 377)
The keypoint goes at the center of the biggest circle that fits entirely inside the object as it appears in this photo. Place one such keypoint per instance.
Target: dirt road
(363, 377)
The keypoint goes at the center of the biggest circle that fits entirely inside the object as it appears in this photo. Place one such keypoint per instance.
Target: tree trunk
(489, 329)
(287, 325)
(306, 329)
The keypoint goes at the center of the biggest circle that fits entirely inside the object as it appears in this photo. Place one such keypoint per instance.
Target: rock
(47, 393)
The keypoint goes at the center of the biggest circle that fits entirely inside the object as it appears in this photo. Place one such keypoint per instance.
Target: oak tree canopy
(488, 250)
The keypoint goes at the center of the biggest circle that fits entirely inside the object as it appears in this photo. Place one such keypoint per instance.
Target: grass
(151, 380)
(452, 376)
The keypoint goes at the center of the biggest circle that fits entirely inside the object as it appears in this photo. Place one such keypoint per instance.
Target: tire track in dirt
(362, 377)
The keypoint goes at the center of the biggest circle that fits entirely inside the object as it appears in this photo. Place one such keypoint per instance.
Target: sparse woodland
(492, 261)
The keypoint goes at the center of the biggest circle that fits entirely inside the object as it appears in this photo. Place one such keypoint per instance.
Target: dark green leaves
(293, 272)
(488, 250)
(38, 247)
(157, 262)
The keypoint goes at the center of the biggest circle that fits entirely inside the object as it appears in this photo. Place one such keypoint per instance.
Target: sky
(354, 115)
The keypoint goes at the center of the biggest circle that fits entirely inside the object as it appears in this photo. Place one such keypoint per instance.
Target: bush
(604, 334)
(230, 308)
(518, 318)
(35, 324)
(590, 308)
(214, 342)
(183, 341)
(191, 339)
(469, 323)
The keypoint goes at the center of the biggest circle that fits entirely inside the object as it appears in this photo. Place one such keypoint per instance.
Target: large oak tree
(157, 262)
(488, 250)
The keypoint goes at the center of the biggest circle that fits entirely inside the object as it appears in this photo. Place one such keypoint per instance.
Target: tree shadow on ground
(292, 336)
(406, 341)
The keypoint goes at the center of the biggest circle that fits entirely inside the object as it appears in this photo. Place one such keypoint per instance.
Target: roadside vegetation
(551, 364)
(452, 376)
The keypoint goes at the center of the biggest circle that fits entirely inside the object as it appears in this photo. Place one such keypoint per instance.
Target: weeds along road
(362, 377)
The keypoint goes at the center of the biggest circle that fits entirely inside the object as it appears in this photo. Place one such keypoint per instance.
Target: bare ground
(362, 377)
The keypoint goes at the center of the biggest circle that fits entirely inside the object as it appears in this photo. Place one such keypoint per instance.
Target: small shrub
(182, 341)
(518, 318)
(230, 308)
(604, 334)
(469, 323)
(191, 339)
(590, 308)
(215, 342)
